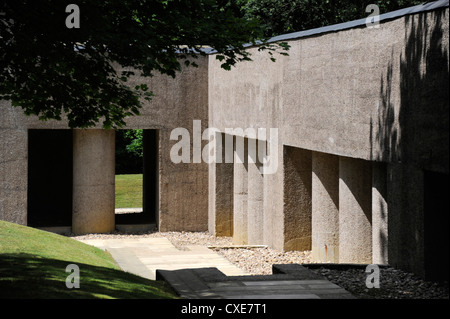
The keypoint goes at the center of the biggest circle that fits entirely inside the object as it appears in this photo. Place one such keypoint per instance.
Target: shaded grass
(33, 265)
(129, 190)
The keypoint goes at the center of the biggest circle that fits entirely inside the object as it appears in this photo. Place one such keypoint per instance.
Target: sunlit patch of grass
(33, 265)
(129, 190)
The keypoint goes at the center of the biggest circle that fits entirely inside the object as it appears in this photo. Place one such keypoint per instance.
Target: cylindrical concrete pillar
(255, 196)
(325, 207)
(380, 236)
(93, 181)
(240, 218)
(355, 211)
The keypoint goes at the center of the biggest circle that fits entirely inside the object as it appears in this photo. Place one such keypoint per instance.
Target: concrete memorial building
(356, 123)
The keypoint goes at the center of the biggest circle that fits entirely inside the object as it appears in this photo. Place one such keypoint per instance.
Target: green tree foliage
(136, 139)
(285, 16)
(129, 151)
(53, 71)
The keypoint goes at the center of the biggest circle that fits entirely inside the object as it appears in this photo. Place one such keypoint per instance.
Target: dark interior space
(150, 183)
(49, 178)
(436, 226)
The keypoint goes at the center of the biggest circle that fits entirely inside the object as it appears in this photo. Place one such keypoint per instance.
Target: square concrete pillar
(255, 214)
(355, 211)
(220, 219)
(240, 191)
(325, 207)
(297, 198)
(379, 214)
(93, 181)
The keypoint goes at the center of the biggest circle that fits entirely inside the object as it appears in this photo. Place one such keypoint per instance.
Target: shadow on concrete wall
(414, 131)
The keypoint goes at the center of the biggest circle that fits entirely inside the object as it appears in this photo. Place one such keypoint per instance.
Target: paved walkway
(197, 272)
(143, 256)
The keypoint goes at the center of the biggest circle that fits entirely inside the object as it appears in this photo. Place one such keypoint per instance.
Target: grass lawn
(128, 190)
(33, 265)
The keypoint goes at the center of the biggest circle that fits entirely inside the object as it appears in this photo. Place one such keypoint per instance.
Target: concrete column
(220, 219)
(297, 198)
(240, 235)
(273, 203)
(325, 207)
(379, 214)
(255, 196)
(355, 211)
(93, 181)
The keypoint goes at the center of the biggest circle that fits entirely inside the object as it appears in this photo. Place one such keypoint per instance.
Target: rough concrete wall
(373, 94)
(13, 167)
(352, 93)
(410, 124)
(183, 187)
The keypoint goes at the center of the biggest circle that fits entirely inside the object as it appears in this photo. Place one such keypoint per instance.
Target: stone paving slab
(143, 256)
(197, 272)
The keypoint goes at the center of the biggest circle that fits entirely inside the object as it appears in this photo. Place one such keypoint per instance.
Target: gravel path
(394, 284)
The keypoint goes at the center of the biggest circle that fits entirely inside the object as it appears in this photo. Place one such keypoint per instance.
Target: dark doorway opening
(150, 180)
(436, 224)
(49, 178)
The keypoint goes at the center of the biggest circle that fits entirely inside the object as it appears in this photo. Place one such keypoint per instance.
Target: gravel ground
(394, 283)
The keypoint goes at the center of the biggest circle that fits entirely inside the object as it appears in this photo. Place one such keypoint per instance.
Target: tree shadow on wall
(412, 129)
(416, 133)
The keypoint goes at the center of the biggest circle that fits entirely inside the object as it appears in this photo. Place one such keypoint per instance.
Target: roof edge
(420, 8)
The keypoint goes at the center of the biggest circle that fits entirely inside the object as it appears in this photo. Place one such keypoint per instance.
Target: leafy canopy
(50, 70)
(285, 16)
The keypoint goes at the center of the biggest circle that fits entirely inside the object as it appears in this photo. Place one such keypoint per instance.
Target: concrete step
(288, 282)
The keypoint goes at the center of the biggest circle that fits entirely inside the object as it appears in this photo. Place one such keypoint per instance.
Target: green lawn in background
(128, 190)
(33, 265)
